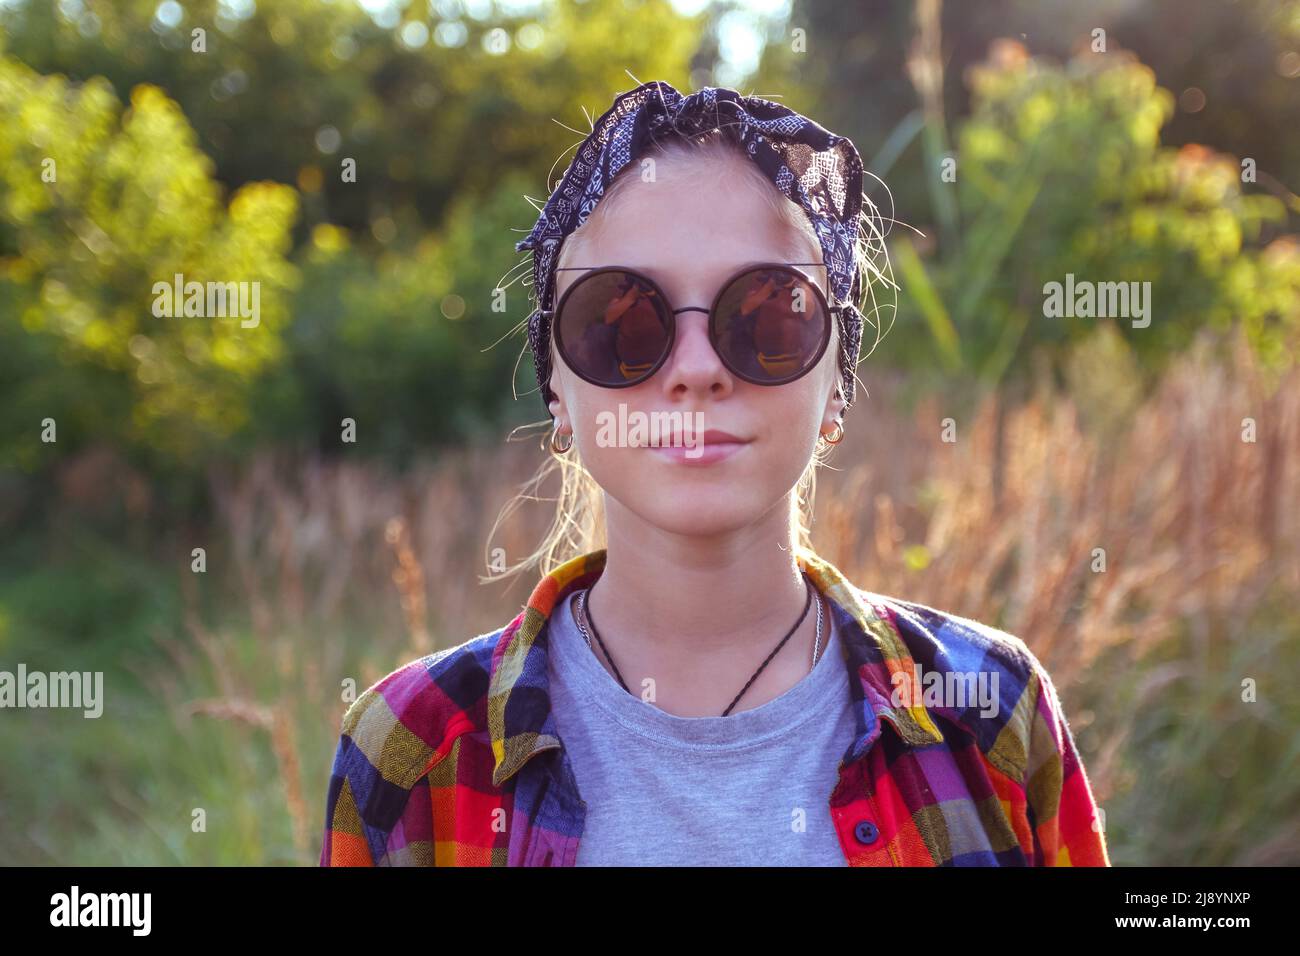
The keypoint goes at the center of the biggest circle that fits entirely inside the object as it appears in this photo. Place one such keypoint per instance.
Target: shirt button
(866, 832)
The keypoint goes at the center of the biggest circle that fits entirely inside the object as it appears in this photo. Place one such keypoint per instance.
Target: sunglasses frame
(831, 312)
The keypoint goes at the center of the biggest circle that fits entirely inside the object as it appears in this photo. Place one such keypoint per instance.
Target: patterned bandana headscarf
(813, 167)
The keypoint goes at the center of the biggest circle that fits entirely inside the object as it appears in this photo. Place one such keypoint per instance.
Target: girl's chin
(701, 512)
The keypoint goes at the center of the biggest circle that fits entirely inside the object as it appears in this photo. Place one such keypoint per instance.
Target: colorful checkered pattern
(454, 759)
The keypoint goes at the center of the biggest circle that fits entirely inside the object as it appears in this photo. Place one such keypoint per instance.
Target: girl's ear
(835, 405)
(556, 404)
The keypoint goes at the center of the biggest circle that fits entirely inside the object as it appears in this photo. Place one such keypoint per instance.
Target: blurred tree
(1238, 63)
(97, 206)
(1061, 171)
(410, 341)
(430, 100)
(1233, 67)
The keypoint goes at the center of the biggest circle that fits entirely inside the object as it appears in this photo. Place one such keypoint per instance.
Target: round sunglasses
(769, 324)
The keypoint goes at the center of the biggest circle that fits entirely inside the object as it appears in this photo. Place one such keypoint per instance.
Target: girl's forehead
(690, 233)
(695, 271)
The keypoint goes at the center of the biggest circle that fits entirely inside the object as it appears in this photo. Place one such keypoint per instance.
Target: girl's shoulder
(984, 679)
(403, 721)
(935, 629)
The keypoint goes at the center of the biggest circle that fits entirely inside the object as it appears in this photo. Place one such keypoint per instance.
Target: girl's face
(690, 239)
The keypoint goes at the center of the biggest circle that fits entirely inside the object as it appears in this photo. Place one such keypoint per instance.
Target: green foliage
(97, 205)
(423, 122)
(1060, 170)
(409, 338)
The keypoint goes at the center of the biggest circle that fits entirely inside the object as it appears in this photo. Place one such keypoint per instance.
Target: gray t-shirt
(749, 789)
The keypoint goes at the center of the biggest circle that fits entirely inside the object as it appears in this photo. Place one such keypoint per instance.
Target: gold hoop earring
(838, 432)
(560, 449)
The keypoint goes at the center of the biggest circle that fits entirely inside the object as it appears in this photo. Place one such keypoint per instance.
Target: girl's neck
(699, 615)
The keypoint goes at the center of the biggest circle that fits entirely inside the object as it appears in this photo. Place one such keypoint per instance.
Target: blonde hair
(578, 524)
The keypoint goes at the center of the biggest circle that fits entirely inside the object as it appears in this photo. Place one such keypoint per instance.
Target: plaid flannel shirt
(454, 758)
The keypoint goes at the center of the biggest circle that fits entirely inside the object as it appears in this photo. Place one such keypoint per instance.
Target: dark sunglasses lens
(770, 326)
(613, 328)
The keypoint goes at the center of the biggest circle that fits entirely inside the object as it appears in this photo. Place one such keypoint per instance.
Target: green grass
(121, 789)
(1206, 778)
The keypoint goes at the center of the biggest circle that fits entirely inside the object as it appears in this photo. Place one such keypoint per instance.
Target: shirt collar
(522, 725)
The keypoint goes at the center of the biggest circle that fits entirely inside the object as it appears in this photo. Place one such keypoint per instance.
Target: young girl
(694, 685)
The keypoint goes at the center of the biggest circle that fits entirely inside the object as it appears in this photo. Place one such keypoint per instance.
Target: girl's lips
(718, 436)
(712, 447)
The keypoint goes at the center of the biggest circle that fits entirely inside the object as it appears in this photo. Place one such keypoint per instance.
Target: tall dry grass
(1196, 526)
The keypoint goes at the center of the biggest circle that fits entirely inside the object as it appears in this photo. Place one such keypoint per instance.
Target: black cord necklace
(585, 612)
